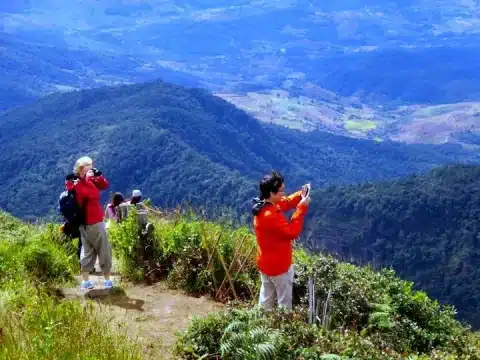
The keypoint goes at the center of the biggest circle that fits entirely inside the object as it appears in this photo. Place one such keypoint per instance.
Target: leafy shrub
(237, 334)
(245, 341)
(378, 304)
(373, 316)
(51, 233)
(12, 228)
(46, 262)
(202, 335)
(194, 255)
(124, 239)
(38, 255)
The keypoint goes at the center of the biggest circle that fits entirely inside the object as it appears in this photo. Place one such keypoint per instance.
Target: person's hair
(270, 184)
(117, 199)
(83, 161)
(135, 200)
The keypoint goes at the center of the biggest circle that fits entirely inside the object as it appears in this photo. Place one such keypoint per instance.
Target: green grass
(360, 125)
(35, 323)
(46, 328)
(370, 314)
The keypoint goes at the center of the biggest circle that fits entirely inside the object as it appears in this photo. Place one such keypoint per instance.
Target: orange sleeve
(278, 224)
(290, 202)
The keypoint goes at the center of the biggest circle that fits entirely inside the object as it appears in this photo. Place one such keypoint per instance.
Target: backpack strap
(84, 212)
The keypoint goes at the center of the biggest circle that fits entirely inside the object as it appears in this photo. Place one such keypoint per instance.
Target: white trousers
(279, 288)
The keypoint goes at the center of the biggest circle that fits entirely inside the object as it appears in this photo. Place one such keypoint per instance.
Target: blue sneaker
(108, 284)
(87, 285)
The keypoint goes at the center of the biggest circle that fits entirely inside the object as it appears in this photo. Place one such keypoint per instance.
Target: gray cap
(136, 193)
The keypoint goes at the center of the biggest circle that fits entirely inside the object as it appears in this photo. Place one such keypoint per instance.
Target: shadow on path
(116, 297)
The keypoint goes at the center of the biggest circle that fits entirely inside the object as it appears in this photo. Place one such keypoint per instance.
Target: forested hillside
(180, 144)
(426, 227)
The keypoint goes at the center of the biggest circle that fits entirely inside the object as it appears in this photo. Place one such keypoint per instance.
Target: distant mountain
(426, 227)
(31, 69)
(388, 53)
(181, 144)
(408, 51)
(376, 55)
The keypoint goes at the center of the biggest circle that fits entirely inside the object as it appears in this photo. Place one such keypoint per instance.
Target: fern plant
(244, 341)
(381, 318)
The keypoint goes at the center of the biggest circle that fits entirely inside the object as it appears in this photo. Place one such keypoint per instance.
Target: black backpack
(73, 214)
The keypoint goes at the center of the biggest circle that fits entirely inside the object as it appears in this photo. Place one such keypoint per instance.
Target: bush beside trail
(35, 322)
(191, 254)
(364, 314)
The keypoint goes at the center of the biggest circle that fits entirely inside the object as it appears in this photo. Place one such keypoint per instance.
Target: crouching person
(275, 236)
(92, 229)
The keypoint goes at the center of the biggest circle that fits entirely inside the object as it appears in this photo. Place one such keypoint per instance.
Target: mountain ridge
(167, 138)
(380, 54)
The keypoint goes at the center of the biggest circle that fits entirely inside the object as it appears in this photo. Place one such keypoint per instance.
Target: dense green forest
(180, 145)
(426, 227)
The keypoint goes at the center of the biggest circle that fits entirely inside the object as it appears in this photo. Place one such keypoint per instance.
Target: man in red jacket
(275, 236)
(92, 231)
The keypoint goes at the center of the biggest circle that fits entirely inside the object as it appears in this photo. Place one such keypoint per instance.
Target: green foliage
(124, 240)
(369, 315)
(34, 322)
(39, 256)
(182, 250)
(246, 341)
(365, 314)
(373, 315)
(381, 317)
(12, 229)
(425, 227)
(47, 329)
(234, 334)
(180, 146)
(46, 262)
(378, 303)
(202, 336)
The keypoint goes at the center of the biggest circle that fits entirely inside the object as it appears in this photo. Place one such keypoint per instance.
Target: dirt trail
(150, 314)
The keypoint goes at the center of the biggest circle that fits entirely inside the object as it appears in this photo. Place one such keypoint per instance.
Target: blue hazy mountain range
(388, 52)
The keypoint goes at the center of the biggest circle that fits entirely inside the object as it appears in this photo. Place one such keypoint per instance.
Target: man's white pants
(278, 287)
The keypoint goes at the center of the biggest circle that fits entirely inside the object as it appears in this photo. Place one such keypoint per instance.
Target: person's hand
(305, 201)
(304, 186)
(96, 172)
(304, 189)
(89, 173)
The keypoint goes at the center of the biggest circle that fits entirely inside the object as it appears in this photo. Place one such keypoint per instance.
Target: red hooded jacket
(88, 194)
(275, 234)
